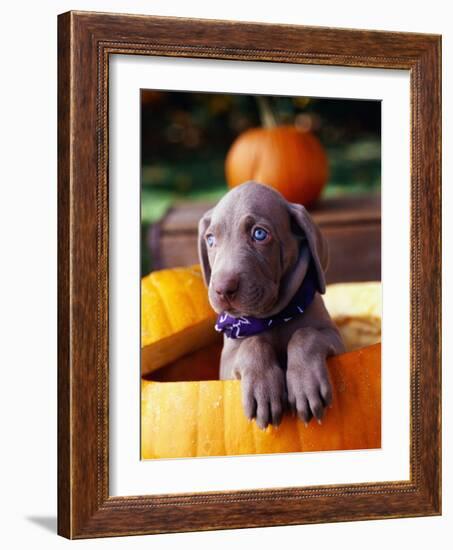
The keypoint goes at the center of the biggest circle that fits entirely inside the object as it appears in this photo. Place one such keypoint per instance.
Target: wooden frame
(85, 41)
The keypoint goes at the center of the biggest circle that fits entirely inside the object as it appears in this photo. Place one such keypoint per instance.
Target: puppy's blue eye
(259, 234)
(210, 239)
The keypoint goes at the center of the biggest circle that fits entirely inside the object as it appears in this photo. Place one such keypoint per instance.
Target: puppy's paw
(309, 390)
(264, 394)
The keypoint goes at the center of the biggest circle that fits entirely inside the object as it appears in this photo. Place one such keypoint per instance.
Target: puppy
(263, 260)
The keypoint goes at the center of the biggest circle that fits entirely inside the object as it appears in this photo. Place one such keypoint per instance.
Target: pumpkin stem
(267, 115)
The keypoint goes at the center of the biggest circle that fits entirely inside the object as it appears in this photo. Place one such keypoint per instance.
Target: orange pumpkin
(292, 161)
(187, 419)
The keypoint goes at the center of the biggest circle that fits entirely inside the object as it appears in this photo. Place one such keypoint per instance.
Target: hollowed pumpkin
(205, 418)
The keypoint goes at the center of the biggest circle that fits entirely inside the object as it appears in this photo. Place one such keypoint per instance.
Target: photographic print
(220, 257)
(261, 274)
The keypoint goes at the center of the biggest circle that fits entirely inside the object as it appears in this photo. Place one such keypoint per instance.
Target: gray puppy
(263, 260)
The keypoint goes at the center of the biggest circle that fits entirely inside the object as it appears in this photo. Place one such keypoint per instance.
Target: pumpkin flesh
(356, 309)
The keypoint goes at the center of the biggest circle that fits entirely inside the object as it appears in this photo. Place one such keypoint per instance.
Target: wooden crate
(351, 225)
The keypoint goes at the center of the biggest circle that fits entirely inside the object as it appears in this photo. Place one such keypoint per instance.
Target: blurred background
(185, 138)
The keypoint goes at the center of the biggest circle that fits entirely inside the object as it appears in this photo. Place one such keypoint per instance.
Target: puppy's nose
(226, 286)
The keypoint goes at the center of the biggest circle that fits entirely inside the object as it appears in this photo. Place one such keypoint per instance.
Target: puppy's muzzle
(226, 286)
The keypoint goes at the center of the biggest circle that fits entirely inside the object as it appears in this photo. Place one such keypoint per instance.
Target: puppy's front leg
(307, 377)
(262, 380)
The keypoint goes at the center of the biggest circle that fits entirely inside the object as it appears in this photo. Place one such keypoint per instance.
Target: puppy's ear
(316, 242)
(203, 224)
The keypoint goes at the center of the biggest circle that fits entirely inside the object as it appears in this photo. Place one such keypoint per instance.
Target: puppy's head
(255, 248)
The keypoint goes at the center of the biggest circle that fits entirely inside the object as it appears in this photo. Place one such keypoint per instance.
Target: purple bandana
(242, 327)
